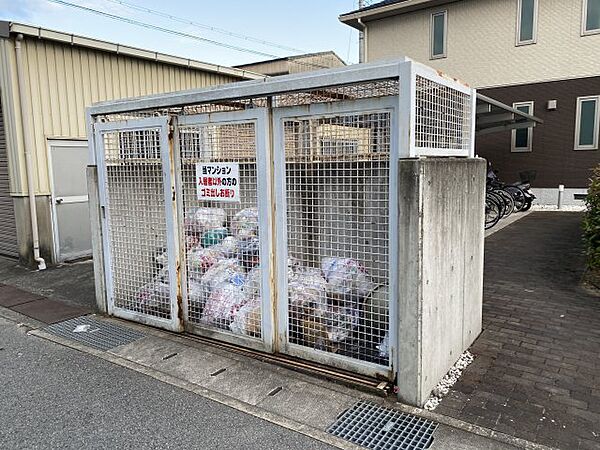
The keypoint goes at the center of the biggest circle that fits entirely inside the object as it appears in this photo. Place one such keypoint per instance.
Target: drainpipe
(24, 100)
(362, 50)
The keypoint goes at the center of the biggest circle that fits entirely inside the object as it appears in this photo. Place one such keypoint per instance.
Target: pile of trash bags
(335, 307)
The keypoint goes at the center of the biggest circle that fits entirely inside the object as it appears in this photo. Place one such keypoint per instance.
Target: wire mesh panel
(337, 178)
(136, 222)
(442, 116)
(224, 271)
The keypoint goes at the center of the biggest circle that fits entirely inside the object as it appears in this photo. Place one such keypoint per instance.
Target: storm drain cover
(94, 333)
(380, 428)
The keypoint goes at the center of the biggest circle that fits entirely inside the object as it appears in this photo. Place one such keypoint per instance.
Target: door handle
(59, 201)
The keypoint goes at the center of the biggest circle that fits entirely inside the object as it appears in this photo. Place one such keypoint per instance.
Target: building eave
(111, 47)
(392, 9)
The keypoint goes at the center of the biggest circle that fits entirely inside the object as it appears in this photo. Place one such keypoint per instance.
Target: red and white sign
(218, 182)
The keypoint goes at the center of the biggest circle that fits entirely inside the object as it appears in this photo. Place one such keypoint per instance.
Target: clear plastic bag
(384, 346)
(245, 223)
(228, 246)
(200, 220)
(253, 282)
(307, 294)
(201, 259)
(222, 305)
(224, 271)
(154, 297)
(247, 320)
(346, 277)
(248, 253)
(341, 321)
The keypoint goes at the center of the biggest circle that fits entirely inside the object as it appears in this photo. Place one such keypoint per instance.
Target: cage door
(224, 199)
(140, 240)
(335, 164)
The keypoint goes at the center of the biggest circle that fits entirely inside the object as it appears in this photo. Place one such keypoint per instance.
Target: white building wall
(482, 47)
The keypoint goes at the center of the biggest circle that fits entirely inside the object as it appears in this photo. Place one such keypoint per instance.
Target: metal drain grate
(380, 428)
(94, 333)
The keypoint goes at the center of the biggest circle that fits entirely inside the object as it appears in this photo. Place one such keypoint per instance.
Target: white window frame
(584, 31)
(533, 40)
(580, 100)
(513, 142)
(432, 35)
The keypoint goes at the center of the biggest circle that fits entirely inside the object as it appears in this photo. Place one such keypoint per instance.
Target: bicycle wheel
(518, 196)
(509, 202)
(492, 211)
(499, 201)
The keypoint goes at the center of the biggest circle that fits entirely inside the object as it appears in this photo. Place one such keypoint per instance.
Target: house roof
(387, 8)
(8, 28)
(294, 57)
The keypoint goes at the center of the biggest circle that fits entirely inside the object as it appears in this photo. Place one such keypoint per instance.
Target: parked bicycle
(501, 199)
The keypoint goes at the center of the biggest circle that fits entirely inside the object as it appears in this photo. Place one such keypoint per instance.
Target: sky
(304, 25)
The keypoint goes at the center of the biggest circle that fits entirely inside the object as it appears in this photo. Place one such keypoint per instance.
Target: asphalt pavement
(55, 397)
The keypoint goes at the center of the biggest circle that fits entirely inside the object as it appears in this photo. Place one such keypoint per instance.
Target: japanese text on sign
(218, 182)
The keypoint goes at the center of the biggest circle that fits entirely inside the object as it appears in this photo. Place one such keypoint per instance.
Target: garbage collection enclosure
(266, 213)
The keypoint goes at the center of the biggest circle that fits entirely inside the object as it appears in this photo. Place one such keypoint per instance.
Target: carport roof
(493, 116)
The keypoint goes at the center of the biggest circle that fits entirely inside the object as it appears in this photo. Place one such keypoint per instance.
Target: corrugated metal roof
(82, 41)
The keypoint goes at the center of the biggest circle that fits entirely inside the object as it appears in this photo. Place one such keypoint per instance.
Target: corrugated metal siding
(8, 227)
(63, 80)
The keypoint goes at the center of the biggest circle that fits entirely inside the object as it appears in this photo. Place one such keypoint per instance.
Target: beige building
(541, 56)
(47, 79)
(295, 64)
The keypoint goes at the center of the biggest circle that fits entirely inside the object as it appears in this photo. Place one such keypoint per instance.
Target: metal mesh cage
(136, 221)
(337, 178)
(442, 116)
(311, 162)
(221, 237)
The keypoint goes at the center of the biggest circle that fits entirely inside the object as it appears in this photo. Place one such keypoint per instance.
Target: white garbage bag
(199, 220)
(245, 223)
(222, 305)
(224, 271)
(247, 320)
(346, 277)
(201, 259)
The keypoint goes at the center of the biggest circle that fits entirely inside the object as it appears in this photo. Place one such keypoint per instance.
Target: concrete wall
(440, 268)
(482, 46)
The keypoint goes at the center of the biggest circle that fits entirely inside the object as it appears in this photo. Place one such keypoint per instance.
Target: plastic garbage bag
(224, 271)
(307, 295)
(245, 223)
(253, 283)
(222, 305)
(248, 253)
(201, 259)
(341, 321)
(228, 246)
(346, 276)
(154, 297)
(202, 219)
(214, 237)
(247, 320)
(384, 347)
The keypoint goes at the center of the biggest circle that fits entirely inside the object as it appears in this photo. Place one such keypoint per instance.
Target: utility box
(332, 216)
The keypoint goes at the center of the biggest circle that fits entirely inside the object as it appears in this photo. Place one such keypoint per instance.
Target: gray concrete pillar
(441, 236)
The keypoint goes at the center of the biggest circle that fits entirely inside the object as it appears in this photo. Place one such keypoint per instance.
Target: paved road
(54, 397)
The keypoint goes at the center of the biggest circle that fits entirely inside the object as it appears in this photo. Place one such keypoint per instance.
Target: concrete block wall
(441, 215)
